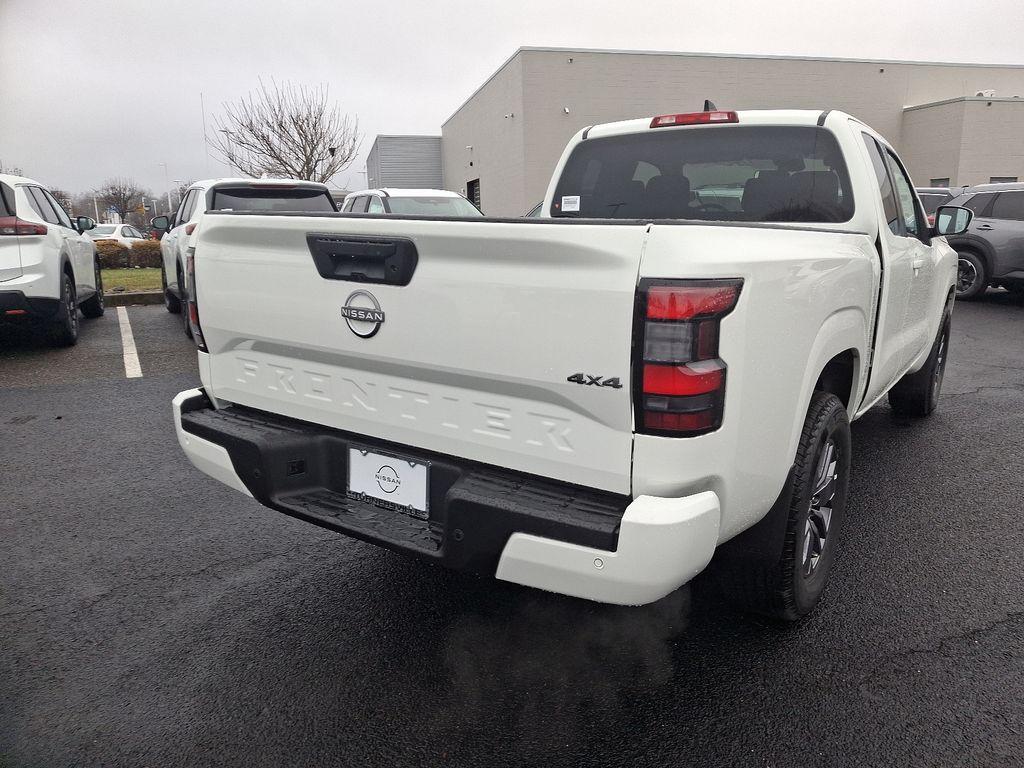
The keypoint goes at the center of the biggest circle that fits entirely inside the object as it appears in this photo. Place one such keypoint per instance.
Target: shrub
(112, 255)
(145, 253)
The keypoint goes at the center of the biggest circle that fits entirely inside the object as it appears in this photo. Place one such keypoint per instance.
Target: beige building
(502, 143)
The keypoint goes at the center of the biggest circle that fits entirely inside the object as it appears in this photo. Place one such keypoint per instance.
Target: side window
(347, 207)
(1008, 205)
(62, 215)
(980, 204)
(182, 206)
(884, 185)
(193, 204)
(41, 206)
(187, 206)
(376, 206)
(359, 204)
(905, 194)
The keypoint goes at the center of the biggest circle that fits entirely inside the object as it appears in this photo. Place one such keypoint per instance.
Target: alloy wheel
(819, 518)
(966, 275)
(70, 304)
(940, 363)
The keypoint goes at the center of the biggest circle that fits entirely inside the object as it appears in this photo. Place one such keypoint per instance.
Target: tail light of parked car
(12, 225)
(192, 304)
(679, 378)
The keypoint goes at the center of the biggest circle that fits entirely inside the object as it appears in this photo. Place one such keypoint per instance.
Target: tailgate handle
(357, 259)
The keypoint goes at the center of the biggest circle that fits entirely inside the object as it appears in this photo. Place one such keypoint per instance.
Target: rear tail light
(679, 376)
(12, 225)
(192, 304)
(694, 118)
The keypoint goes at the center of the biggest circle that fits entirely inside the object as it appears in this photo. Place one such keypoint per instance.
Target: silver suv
(992, 249)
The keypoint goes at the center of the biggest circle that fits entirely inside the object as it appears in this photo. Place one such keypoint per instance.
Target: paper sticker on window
(570, 203)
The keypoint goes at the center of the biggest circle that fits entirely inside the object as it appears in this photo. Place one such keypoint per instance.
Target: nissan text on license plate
(391, 482)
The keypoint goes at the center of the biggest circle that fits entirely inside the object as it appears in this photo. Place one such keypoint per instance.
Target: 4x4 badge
(363, 314)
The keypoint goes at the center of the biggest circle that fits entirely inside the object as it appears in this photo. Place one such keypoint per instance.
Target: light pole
(168, 185)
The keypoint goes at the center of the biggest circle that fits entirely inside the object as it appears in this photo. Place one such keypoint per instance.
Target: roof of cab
(208, 183)
(10, 179)
(744, 117)
(404, 192)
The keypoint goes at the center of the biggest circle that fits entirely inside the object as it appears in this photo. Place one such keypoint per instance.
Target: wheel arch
(979, 248)
(839, 376)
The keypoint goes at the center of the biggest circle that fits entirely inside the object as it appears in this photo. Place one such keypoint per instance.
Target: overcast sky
(112, 88)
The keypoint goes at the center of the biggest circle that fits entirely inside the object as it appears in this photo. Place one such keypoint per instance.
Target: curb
(135, 297)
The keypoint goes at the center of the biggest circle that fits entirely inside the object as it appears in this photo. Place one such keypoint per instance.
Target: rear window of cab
(272, 199)
(710, 173)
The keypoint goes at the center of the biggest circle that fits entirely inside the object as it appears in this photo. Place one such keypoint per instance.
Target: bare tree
(287, 130)
(123, 196)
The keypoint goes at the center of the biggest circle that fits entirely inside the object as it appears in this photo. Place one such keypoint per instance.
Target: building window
(473, 192)
(943, 182)
(1001, 179)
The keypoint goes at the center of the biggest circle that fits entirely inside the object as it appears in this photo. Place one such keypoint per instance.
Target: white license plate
(400, 482)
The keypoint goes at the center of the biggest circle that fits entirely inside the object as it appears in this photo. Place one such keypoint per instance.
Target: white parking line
(132, 368)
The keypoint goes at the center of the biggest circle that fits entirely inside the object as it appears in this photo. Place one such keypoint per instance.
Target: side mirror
(952, 220)
(84, 224)
(161, 224)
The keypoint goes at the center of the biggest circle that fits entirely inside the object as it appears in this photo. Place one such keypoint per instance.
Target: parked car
(591, 407)
(932, 197)
(991, 251)
(407, 202)
(123, 234)
(251, 195)
(48, 265)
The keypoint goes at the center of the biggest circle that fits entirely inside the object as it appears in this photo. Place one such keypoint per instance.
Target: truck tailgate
(471, 358)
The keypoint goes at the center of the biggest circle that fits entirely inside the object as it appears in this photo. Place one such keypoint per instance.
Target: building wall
(600, 86)
(993, 140)
(496, 141)
(405, 161)
(931, 140)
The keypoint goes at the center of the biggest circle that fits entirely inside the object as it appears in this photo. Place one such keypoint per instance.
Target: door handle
(985, 227)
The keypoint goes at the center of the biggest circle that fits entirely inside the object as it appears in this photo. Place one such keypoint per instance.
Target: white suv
(48, 265)
(410, 202)
(257, 195)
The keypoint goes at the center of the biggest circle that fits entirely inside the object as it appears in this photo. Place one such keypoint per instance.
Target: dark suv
(992, 250)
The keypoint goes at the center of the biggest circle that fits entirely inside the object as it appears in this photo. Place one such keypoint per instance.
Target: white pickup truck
(659, 370)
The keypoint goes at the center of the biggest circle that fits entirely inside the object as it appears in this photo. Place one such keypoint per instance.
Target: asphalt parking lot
(150, 616)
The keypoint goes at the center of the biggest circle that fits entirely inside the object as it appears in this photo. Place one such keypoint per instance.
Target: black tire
(917, 394)
(183, 306)
(64, 332)
(780, 567)
(170, 300)
(971, 275)
(93, 306)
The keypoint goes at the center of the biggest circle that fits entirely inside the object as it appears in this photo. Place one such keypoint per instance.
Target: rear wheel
(64, 332)
(170, 300)
(971, 276)
(780, 567)
(917, 394)
(93, 307)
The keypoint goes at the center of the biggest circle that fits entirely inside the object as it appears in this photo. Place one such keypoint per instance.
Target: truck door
(919, 320)
(897, 253)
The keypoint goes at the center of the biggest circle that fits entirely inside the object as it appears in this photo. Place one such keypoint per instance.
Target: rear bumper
(520, 528)
(16, 306)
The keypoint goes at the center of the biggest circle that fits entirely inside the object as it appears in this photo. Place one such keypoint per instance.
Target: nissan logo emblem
(363, 314)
